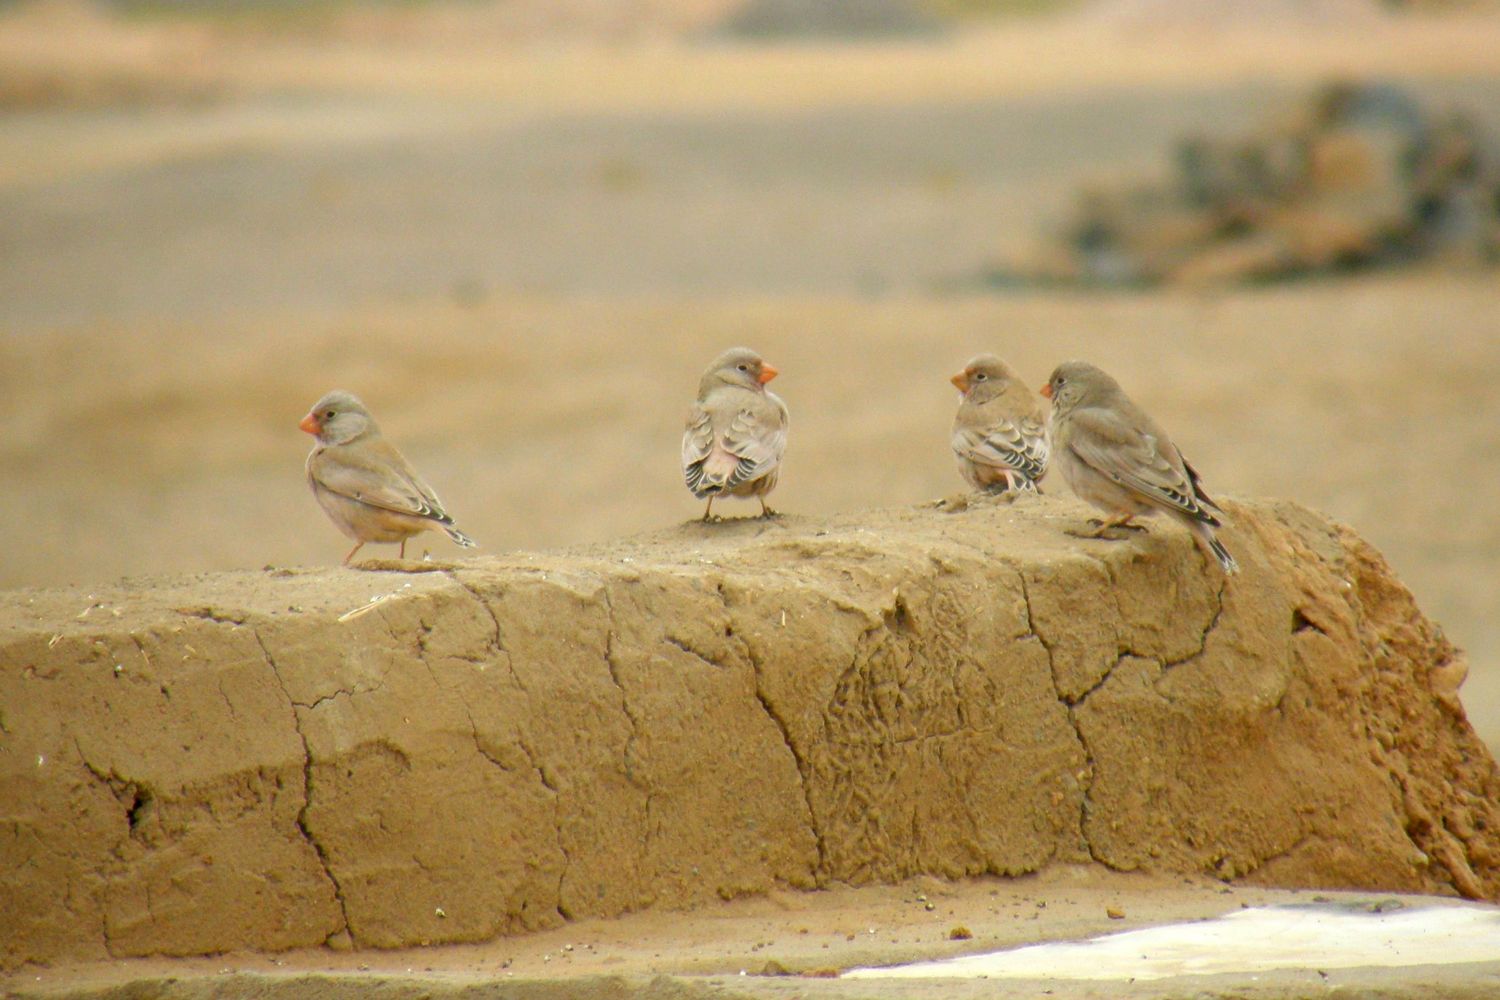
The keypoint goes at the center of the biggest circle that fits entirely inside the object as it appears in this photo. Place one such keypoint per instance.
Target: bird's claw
(1105, 532)
(1101, 527)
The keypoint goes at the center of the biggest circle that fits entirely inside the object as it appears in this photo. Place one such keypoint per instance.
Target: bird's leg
(764, 510)
(357, 547)
(1002, 489)
(709, 510)
(402, 553)
(1118, 521)
(1015, 485)
(1102, 529)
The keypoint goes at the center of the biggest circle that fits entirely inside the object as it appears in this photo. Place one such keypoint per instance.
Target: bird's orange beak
(310, 424)
(961, 381)
(768, 371)
(1047, 391)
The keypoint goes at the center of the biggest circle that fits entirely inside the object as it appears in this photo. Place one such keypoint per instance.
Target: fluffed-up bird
(1000, 429)
(736, 431)
(1115, 457)
(364, 485)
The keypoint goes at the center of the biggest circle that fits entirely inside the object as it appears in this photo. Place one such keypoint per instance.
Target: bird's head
(337, 418)
(742, 367)
(1076, 382)
(984, 377)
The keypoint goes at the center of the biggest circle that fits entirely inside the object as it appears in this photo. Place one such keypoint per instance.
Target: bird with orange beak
(736, 431)
(364, 485)
(1000, 429)
(1117, 458)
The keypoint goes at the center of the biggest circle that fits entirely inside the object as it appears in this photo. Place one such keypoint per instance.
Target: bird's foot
(1111, 525)
(1107, 531)
(952, 505)
(375, 564)
(768, 514)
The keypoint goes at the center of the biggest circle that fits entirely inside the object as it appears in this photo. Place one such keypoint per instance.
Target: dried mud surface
(428, 753)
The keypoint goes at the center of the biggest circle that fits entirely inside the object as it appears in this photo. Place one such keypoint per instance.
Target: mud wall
(279, 759)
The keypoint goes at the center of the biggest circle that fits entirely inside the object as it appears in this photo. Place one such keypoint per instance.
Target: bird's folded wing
(1198, 490)
(1005, 445)
(758, 440)
(697, 443)
(1136, 459)
(380, 477)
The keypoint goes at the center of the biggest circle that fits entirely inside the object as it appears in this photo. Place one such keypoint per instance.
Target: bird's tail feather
(1220, 552)
(460, 538)
(1204, 536)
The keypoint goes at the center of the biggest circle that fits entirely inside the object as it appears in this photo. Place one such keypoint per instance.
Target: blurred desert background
(519, 229)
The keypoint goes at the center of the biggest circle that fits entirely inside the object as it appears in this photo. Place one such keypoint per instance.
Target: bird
(1117, 458)
(736, 431)
(1000, 429)
(364, 485)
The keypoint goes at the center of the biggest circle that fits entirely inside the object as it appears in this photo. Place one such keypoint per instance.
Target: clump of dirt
(1355, 176)
(416, 754)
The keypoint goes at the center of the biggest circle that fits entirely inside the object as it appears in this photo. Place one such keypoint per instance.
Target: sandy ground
(522, 259)
(785, 945)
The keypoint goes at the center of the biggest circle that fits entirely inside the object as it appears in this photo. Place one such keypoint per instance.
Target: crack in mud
(497, 643)
(821, 873)
(307, 796)
(635, 772)
(1086, 778)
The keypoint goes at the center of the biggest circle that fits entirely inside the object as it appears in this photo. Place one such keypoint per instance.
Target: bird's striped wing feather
(1138, 460)
(1004, 445)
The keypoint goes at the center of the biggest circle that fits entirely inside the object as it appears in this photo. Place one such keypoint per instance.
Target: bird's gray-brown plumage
(1117, 458)
(736, 431)
(1000, 429)
(365, 486)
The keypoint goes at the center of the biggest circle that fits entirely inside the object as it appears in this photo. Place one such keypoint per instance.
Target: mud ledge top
(287, 758)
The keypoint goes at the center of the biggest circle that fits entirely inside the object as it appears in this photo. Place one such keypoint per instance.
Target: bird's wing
(697, 443)
(375, 473)
(757, 438)
(1198, 492)
(1137, 458)
(1006, 445)
(732, 439)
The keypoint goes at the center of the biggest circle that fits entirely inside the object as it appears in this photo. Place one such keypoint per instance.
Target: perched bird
(1116, 457)
(1000, 430)
(363, 483)
(736, 431)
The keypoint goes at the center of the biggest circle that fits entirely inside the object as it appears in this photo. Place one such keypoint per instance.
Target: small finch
(736, 431)
(1115, 457)
(363, 483)
(1000, 430)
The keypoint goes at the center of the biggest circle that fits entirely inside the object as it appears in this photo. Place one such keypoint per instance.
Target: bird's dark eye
(328, 415)
(744, 368)
(981, 377)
